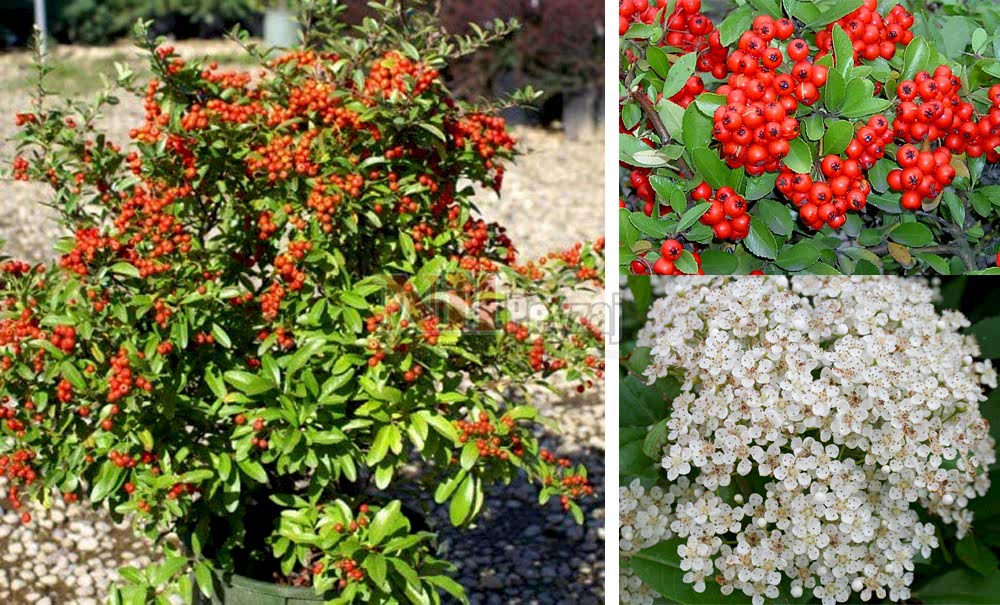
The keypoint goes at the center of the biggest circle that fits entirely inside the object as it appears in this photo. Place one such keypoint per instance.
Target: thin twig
(659, 128)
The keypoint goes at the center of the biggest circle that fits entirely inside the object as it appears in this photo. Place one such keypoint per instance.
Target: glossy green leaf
(760, 241)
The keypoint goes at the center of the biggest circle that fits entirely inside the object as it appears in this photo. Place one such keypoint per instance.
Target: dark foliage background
(559, 48)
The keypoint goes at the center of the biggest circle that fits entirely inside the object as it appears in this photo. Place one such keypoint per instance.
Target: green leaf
(867, 106)
(470, 454)
(843, 52)
(798, 257)
(462, 503)
(381, 444)
(680, 71)
(203, 575)
(979, 40)
(385, 522)
(838, 136)
(879, 174)
(835, 12)
(250, 384)
(733, 26)
(708, 102)
(978, 557)
(913, 235)
(686, 263)
(799, 157)
(777, 216)
(767, 6)
(697, 128)
(960, 586)
(450, 586)
(760, 186)
(691, 216)
(221, 337)
(955, 207)
(650, 226)
(710, 167)
(434, 130)
(653, 444)
(672, 116)
(987, 332)
(108, 479)
(934, 261)
(717, 262)
(127, 269)
(253, 469)
(870, 237)
(658, 60)
(375, 565)
(659, 568)
(915, 58)
(760, 241)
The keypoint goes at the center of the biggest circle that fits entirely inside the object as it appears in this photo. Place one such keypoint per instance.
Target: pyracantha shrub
(857, 146)
(807, 438)
(274, 298)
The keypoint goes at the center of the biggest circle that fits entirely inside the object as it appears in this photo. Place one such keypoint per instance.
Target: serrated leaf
(799, 158)
(679, 74)
(838, 136)
(760, 186)
(691, 216)
(710, 167)
(658, 60)
(913, 235)
(716, 262)
(733, 26)
(760, 241)
(686, 263)
(901, 254)
(798, 257)
(914, 58)
(776, 216)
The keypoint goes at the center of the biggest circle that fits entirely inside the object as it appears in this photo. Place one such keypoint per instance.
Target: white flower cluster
(844, 400)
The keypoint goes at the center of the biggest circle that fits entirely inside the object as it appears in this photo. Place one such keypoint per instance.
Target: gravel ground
(519, 553)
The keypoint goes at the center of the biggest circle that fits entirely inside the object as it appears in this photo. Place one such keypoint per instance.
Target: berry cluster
(868, 144)
(930, 106)
(576, 486)
(871, 34)
(921, 174)
(727, 215)
(121, 380)
(639, 179)
(670, 251)
(536, 357)
(21, 166)
(395, 74)
(826, 202)
(485, 134)
(352, 572)
(64, 391)
(692, 88)
(490, 442)
(757, 122)
(17, 469)
(687, 29)
(64, 338)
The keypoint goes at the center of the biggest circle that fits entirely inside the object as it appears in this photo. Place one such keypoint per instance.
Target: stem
(883, 249)
(661, 131)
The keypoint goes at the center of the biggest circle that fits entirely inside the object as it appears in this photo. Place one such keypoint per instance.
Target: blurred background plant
(558, 49)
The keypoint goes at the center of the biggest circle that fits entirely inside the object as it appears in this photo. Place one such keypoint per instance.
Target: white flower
(853, 398)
